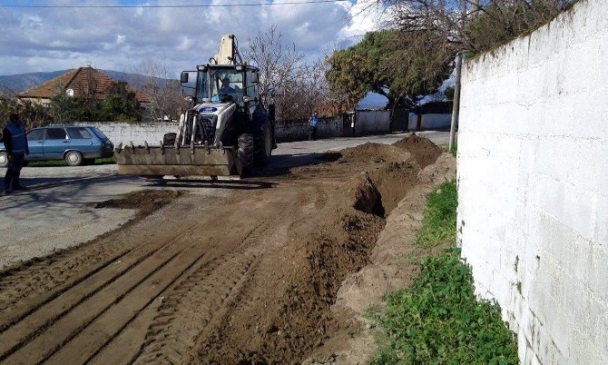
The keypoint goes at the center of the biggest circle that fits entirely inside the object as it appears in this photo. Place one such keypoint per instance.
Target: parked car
(77, 145)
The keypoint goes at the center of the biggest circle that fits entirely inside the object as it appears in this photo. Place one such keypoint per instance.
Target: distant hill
(15, 84)
(18, 83)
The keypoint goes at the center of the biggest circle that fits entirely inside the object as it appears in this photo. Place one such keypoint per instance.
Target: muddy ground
(278, 272)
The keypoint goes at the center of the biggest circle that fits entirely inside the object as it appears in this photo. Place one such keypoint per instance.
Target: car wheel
(74, 158)
(3, 159)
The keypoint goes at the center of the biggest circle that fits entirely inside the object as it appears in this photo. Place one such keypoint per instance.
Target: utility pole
(456, 106)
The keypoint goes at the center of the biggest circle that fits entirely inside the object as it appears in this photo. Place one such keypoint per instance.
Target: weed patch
(439, 221)
(438, 320)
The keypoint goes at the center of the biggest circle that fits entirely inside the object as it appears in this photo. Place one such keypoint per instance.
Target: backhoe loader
(226, 132)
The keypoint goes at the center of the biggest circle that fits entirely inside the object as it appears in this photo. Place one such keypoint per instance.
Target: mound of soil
(146, 201)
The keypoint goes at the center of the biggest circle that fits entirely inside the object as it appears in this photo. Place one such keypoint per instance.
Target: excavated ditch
(297, 304)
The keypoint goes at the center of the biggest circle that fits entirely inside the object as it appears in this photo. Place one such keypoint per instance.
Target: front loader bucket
(176, 161)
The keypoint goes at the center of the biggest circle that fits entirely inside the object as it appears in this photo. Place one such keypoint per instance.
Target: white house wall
(533, 185)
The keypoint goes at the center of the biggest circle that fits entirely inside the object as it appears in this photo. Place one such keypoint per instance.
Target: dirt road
(252, 277)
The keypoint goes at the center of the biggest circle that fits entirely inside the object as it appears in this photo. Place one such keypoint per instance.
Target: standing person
(15, 142)
(313, 122)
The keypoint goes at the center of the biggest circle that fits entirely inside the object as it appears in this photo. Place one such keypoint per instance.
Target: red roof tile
(84, 81)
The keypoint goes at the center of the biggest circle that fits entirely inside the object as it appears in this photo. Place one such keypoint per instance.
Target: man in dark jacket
(15, 142)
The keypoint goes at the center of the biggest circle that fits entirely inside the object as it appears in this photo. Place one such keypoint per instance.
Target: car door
(35, 143)
(82, 141)
(56, 143)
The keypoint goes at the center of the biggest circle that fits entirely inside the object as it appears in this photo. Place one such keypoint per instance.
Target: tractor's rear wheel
(244, 158)
(262, 157)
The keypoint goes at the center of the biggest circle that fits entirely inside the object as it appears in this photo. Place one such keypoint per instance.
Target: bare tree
(164, 94)
(297, 87)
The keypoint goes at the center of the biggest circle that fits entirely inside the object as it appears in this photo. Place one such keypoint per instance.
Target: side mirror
(256, 77)
(184, 78)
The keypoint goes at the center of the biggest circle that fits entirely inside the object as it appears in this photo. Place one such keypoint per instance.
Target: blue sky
(62, 35)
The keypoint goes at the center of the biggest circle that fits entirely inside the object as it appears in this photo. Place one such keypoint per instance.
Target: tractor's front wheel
(244, 158)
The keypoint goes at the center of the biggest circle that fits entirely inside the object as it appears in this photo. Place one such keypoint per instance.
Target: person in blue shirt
(313, 123)
(15, 142)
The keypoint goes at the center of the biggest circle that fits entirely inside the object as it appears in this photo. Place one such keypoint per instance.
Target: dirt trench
(246, 279)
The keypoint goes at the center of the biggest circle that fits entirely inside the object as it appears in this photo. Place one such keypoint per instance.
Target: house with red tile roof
(82, 83)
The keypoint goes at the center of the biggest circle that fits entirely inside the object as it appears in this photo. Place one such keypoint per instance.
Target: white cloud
(49, 39)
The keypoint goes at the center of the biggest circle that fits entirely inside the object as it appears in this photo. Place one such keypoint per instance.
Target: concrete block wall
(430, 121)
(153, 132)
(368, 122)
(298, 131)
(373, 122)
(533, 185)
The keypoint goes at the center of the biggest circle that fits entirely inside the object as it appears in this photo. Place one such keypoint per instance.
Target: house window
(70, 92)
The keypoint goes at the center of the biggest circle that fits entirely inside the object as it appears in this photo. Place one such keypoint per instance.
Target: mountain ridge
(11, 85)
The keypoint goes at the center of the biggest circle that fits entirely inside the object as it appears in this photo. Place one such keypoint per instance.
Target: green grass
(98, 161)
(438, 321)
(439, 220)
(454, 149)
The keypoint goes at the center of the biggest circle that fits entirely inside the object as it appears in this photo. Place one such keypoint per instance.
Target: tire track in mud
(83, 322)
(27, 327)
(199, 306)
(206, 295)
(38, 335)
(30, 285)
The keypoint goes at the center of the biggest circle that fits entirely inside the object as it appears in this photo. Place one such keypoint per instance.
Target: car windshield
(214, 84)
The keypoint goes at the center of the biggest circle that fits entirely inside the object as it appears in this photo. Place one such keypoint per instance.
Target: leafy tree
(474, 25)
(353, 72)
(402, 66)
(64, 108)
(120, 104)
(415, 56)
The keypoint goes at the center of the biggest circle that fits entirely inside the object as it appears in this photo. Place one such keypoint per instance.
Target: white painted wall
(153, 132)
(372, 122)
(430, 121)
(368, 122)
(533, 185)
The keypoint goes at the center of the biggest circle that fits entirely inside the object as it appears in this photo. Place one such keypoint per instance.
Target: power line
(168, 6)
